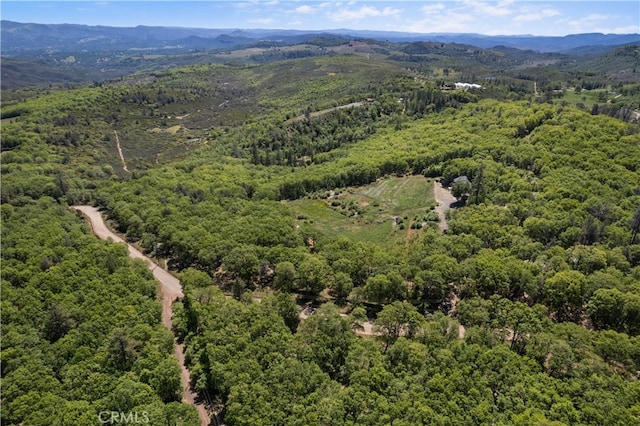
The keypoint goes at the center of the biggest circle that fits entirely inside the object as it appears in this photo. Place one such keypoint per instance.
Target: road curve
(169, 289)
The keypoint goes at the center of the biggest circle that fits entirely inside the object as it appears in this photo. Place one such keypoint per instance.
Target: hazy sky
(507, 17)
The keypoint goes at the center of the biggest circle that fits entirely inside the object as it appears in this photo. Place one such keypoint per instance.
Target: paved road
(169, 289)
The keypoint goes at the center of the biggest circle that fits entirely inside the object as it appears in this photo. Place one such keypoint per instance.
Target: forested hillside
(80, 325)
(295, 201)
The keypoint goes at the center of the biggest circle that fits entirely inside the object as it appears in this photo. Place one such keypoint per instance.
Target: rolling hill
(358, 241)
(28, 39)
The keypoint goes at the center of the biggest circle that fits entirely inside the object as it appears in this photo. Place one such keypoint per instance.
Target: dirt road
(169, 289)
(124, 165)
(444, 199)
(324, 111)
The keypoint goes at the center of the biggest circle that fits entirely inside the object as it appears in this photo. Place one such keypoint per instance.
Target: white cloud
(253, 4)
(491, 17)
(362, 13)
(433, 8)
(588, 23)
(531, 14)
(451, 22)
(630, 29)
(462, 16)
(306, 9)
(501, 9)
(590, 19)
(261, 21)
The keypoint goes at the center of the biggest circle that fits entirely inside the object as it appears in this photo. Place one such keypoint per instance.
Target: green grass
(400, 195)
(366, 213)
(585, 97)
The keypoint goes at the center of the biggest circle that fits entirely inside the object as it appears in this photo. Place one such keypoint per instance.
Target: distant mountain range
(26, 39)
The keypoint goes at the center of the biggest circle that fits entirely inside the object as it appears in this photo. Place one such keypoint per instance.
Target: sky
(506, 17)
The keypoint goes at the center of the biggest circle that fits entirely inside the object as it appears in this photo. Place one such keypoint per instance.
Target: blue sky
(507, 17)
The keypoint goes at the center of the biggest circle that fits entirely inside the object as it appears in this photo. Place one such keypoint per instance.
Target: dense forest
(293, 197)
(81, 326)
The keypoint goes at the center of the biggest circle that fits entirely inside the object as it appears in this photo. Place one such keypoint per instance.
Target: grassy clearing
(400, 195)
(586, 97)
(383, 212)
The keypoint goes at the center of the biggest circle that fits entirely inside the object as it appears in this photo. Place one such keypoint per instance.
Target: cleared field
(399, 195)
(385, 212)
(586, 97)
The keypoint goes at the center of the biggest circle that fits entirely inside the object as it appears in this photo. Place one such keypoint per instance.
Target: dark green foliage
(398, 319)
(285, 276)
(612, 309)
(288, 310)
(425, 371)
(543, 251)
(324, 338)
(81, 325)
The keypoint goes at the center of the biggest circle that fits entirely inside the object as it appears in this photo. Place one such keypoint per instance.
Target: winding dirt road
(444, 199)
(169, 289)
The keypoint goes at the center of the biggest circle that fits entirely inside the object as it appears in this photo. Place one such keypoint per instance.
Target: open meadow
(385, 212)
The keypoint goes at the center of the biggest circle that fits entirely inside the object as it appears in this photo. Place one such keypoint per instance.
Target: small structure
(467, 86)
(462, 178)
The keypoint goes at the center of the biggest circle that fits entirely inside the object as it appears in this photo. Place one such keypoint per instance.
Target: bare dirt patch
(169, 130)
(444, 199)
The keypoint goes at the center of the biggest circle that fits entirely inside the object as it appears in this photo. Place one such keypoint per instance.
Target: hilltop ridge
(21, 39)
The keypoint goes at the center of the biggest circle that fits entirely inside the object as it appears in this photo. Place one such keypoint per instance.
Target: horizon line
(406, 33)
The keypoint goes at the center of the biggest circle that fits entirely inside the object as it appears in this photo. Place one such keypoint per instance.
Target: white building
(467, 86)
